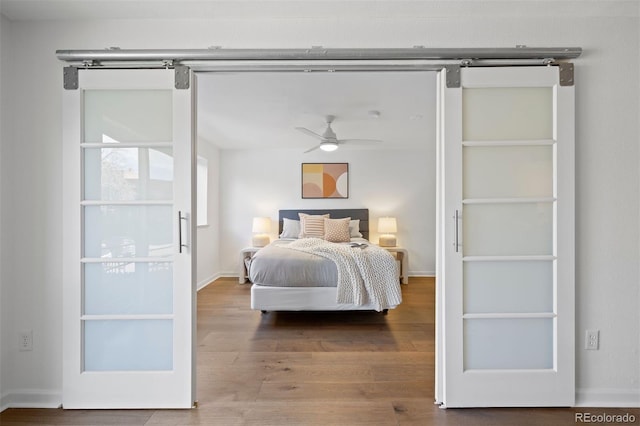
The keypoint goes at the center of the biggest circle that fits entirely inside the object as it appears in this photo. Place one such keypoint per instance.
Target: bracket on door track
(566, 73)
(70, 78)
(182, 76)
(453, 75)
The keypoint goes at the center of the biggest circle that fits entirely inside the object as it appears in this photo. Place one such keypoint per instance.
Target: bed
(311, 274)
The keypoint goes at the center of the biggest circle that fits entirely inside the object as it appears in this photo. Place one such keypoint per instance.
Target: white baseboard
(593, 398)
(422, 273)
(30, 398)
(202, 284)
(612, 398)
(228, 274)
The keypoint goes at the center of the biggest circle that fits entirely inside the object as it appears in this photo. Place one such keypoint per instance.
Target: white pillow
(290, 228)
(354, 228)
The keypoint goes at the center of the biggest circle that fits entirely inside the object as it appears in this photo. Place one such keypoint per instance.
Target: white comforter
(366, 274)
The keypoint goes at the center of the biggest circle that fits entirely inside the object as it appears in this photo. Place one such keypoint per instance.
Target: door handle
(456, 218)
(180, 219)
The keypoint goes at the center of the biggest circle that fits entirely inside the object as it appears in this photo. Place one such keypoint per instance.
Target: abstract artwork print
(325, 180)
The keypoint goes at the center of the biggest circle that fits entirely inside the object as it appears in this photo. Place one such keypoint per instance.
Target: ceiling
(260, 110)
(212, 9)
(202, 9)
(26, 10)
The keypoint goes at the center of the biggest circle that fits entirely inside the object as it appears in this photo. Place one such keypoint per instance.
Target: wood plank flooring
(305, 368)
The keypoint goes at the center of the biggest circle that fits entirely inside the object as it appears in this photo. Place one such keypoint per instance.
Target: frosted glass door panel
(518, 113)
(128, 231)
(129, 184)
(128, 288)
(513, 171)
(506, 237)
(126, 174)
(513, 286)
(508, 343)
(508, 229)
(128, 345)
(113, 116)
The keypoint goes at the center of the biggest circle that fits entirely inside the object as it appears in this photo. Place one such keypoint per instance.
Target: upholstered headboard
(360, 214)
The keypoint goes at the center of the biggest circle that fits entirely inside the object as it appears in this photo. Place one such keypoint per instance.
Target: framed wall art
(325, 180)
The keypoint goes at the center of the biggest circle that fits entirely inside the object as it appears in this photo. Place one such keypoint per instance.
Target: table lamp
(261, 228)
(387, 227)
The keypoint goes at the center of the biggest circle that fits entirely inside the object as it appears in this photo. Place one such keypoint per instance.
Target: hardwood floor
(305, 368)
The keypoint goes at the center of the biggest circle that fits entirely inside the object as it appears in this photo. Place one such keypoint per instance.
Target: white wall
(31, 223)
(607, 159)
(388, 182)
(208, 236)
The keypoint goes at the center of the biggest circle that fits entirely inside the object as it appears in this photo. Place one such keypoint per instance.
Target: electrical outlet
(26, 340)
(592, 340)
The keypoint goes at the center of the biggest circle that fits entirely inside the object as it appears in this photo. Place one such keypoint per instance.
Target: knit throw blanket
(366, 275)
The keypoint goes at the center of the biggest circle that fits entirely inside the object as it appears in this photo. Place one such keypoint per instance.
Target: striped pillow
(337, 230)
(312, 226)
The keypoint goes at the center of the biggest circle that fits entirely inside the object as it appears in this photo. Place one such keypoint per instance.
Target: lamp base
(387, 241)
(260, 240)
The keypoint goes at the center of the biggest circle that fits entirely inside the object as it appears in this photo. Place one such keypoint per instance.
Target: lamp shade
(261, 225)
(387, 225)
(261, 228)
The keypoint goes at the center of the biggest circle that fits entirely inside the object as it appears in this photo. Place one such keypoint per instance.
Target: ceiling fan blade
(359, 141)
(309, 132)
(312, 149)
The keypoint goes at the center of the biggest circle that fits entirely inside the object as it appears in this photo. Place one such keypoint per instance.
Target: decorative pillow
(312, 226)
(337, 230)
(290, 228)
(354, 228)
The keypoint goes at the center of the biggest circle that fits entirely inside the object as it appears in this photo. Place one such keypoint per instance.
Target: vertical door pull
(180, 219)
(456, 218)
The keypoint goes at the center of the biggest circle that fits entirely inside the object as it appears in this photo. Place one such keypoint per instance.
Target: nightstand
(403, 257)
(245, 253)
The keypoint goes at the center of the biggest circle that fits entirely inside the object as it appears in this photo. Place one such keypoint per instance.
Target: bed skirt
(268, 298)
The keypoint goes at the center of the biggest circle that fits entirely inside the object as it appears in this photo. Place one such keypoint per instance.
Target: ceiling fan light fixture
(328, 146)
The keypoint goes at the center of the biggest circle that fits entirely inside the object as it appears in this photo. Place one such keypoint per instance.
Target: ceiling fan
(329, 140)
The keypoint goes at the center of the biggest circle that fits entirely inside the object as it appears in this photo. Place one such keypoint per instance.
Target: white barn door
(506, 238)
(129, 294)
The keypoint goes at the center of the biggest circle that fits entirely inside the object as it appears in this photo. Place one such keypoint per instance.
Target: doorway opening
(247, 132)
